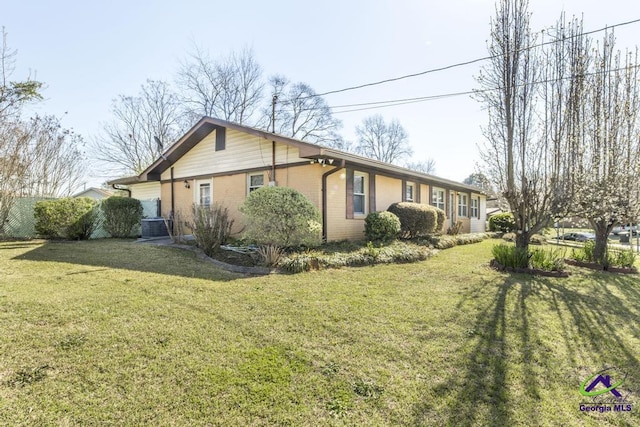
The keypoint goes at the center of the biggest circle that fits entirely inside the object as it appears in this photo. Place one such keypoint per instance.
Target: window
(462, 205)
(410, 192)
(255, 182)
(358, 194)
(204, 194)
(475, 203)
(437, 198)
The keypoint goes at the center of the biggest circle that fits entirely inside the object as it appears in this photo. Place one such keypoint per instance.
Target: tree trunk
(602, 229)
(522, 239)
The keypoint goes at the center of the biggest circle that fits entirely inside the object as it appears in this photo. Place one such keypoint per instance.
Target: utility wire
(396, 102)
(461, 64)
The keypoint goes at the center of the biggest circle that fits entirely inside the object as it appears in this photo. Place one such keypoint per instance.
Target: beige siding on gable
(145, 190)
(388, 191)
(242, 151)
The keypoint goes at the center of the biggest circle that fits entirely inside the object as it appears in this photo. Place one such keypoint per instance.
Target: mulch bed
(599, 267)
(235, 258)
(533, 271)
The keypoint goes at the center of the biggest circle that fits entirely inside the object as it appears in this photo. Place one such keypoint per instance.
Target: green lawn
(117, 333)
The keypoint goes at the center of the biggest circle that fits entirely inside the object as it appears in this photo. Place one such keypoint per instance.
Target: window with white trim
(359, 195)
(204, 194)
(255, 181)
(437, 197)
(410, 192)
(475, 211)
(462, 205)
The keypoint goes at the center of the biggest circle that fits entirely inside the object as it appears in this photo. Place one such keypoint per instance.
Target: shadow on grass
(125, 254)
(18, 244)
(518, 341)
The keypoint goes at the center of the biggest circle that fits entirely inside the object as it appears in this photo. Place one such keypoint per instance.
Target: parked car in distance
(577, 237)
(625, 229)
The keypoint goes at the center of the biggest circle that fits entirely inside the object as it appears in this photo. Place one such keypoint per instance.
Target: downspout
(121, 189)
(273, 143)
(325, 197)
(173, 206)
(273, 161)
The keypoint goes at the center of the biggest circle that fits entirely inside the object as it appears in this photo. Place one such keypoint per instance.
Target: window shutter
(349, 193)
(220, 138)
(372, 192)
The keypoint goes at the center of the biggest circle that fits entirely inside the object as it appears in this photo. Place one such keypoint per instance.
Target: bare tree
(13, 140)
(301, 114)
(142, 127)
(54, 157)
(227, 88)
(518, 159)
(381, 141)
(479, 180)
(13, 95)
(565, 62)
(12, 166)
(428, 166)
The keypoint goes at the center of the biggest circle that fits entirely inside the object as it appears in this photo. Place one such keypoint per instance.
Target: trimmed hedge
(417, 219)
(71, 218)
(381, 226)
(281, 216)
(121, 215)
(398, 252)
(449, 241)
(504, 222)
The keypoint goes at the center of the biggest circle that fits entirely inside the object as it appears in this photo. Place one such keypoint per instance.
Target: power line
(395, 102)
(461, 64)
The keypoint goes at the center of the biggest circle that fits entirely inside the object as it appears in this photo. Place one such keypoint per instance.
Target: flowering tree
(563, 134)
(608, 171)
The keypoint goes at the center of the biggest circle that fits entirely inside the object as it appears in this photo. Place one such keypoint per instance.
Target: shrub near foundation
(381, 226)
(281, 216)
(211, 227)
(417, 219)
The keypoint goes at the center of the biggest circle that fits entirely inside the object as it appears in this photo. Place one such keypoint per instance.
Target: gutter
(114, 186)
(324, 197)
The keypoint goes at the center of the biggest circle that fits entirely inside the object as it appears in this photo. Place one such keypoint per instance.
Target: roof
(206, 125)
(102, 191)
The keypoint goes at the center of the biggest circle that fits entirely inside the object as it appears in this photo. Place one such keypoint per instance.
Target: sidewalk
(613, 243)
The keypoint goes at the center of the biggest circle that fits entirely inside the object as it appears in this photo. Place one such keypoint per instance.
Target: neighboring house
(95, 193)
(220, 161)
(493, 211)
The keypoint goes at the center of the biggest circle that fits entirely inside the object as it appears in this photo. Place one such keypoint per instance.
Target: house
(220, 161)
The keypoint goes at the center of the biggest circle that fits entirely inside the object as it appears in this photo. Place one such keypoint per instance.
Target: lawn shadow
(19, 244)
(110, 254)
(508, 355)
(595, 318)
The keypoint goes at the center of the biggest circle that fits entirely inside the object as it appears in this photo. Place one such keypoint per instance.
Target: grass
(116, 333)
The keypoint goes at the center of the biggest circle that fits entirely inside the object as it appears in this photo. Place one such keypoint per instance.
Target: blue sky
(88, 52)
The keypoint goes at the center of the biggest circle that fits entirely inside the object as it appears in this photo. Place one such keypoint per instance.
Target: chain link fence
(21, 223)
